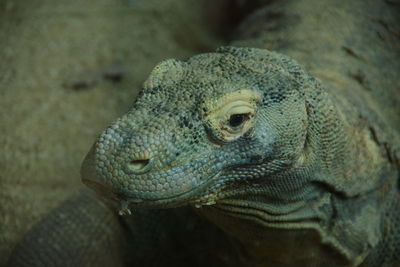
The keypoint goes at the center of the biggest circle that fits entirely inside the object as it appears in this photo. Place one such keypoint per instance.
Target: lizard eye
(235, 120)
(232, 115)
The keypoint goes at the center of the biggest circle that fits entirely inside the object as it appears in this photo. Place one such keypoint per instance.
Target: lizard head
(202, 130)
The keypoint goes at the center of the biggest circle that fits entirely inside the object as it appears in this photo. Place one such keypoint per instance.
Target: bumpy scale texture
(283, 171)
(295, 164)
(168, 127)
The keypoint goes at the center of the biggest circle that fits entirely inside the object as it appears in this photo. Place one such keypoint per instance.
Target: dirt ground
(68, 69)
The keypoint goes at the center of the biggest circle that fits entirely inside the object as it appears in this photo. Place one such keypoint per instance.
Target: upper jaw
(95, 181)
(92, 180)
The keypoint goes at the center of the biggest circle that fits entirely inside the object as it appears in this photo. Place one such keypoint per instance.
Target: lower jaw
(202, 194)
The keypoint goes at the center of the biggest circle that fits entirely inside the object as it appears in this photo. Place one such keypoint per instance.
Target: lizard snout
(90, 177)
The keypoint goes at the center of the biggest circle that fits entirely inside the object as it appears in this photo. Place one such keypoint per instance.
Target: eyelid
(218, 112)
(244, 97)
(237, 107)
(240, 110)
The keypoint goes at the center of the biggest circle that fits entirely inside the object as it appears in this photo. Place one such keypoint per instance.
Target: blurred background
(68, 69)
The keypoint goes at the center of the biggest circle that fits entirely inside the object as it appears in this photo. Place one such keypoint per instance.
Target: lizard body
(294, 167)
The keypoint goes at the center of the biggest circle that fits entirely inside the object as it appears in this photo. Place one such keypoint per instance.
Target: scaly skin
(296, 172)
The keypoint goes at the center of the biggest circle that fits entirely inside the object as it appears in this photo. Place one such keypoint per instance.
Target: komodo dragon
(285, 167)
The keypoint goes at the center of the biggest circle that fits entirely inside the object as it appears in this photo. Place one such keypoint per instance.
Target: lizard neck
(326, 230)
(259, 236)
(318, 208)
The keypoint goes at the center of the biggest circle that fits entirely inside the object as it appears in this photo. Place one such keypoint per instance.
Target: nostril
(139, 165)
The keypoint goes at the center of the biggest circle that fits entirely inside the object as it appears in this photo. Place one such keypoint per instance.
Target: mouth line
(170, 201)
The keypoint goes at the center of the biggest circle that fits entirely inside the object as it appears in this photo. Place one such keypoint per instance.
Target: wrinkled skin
(169, 127)
(294, 167)
(261, 145)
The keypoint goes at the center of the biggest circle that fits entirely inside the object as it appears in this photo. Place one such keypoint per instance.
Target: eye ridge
(235, 120)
